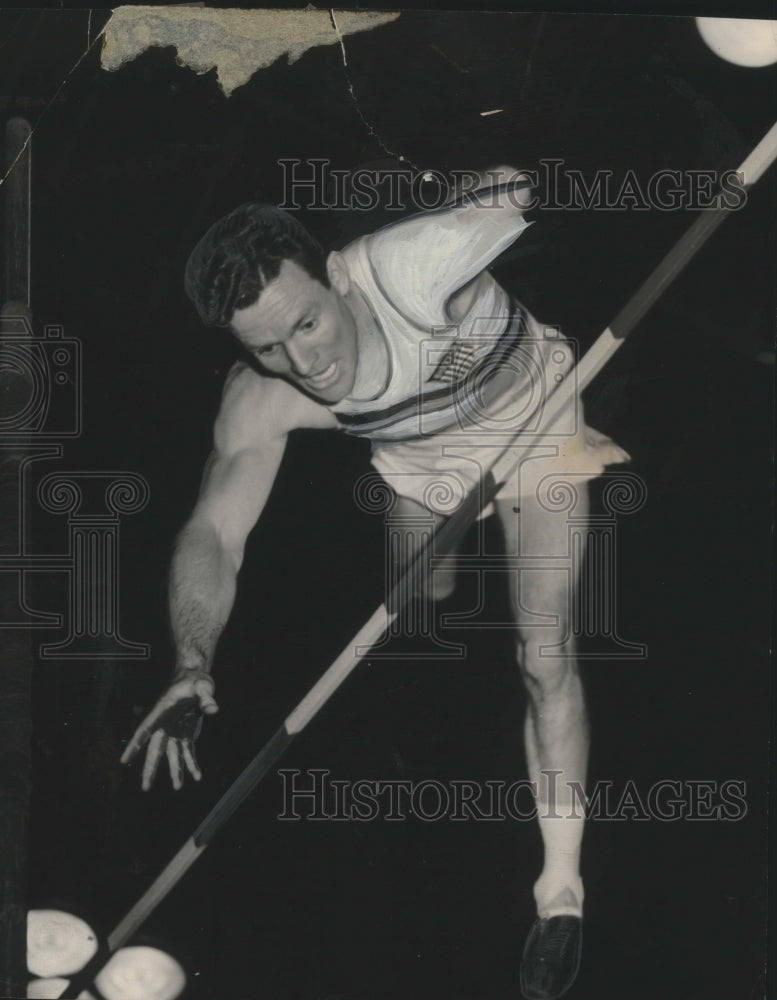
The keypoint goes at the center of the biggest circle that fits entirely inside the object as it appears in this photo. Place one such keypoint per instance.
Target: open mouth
(324, 378)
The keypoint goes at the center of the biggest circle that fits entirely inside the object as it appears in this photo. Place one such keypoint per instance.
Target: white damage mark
(352, 92)
(339, 37)
(236, 42)
(50, 102)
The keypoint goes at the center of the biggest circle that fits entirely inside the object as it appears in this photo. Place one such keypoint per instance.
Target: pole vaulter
(444, 539)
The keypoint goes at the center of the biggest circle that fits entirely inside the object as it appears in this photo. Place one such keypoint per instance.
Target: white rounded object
(46, 989)
(742, 41)
(50, 989)
(58, 943)
(141, 973)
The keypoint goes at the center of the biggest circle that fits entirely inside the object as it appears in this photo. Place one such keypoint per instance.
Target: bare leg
(556, 727)
(414, 521)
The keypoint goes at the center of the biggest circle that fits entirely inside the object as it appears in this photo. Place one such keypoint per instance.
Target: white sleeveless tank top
(416, 368)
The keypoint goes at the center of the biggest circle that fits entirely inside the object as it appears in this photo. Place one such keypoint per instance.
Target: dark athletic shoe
(551, 957)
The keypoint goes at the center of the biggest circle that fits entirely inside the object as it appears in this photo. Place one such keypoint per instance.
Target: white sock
(559, 889)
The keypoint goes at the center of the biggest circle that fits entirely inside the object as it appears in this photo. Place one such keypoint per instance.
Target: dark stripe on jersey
(424, 402)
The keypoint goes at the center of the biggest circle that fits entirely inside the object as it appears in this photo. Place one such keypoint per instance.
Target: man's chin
(332, 394)
(330, 398)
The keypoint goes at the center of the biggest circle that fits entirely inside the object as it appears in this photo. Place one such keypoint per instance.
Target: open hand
(172, 726)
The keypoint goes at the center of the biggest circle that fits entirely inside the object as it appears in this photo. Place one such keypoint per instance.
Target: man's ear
(338, 275)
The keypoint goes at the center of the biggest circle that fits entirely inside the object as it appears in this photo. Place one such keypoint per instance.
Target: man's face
(302, 331)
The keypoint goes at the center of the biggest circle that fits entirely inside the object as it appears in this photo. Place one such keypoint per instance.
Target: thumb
(204, 692)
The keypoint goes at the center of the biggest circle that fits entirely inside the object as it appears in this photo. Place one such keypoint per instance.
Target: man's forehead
(281, 303)
(292, 280)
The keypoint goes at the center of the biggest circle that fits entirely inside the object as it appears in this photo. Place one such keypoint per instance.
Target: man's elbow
(517, 187)
(202, 540)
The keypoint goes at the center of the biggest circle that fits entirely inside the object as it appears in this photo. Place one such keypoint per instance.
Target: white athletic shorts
(438, 470)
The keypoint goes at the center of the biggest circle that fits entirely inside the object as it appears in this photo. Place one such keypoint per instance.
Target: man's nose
(302, 361)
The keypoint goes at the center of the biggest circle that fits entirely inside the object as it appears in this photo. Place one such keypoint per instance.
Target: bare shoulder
(257, 409)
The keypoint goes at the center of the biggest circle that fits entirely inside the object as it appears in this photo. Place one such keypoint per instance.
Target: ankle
(556, 898)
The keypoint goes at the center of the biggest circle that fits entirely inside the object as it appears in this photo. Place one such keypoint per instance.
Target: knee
(547, 673)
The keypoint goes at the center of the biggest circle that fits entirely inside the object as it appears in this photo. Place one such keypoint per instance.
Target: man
(342, 341)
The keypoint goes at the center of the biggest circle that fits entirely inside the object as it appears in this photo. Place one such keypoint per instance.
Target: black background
(129, 168)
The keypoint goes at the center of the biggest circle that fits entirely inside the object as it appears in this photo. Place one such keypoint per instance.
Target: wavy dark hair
(241, 253)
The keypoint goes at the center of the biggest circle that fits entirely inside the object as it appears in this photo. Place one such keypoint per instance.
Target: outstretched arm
(249, 441)
(209, 550)
(203, 577)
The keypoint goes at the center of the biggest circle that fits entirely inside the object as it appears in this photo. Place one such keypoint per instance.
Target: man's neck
(373, 365)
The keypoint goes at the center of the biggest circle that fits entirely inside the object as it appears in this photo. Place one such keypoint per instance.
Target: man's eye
(308, 324)
(264, 352)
